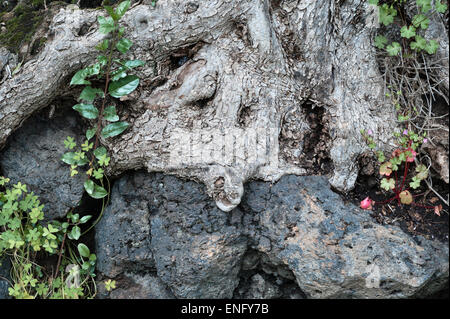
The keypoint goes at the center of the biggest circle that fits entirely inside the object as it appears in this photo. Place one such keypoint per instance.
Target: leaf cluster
(410, 32)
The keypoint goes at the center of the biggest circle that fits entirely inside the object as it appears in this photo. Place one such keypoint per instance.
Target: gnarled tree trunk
(232, 90)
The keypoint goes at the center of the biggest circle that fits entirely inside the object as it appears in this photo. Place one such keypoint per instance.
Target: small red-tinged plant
(401, 160)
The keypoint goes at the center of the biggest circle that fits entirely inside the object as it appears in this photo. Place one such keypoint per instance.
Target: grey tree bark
(235, 107)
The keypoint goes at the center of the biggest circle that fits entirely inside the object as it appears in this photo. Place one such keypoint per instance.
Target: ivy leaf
(431, 47)
(380, 41)
(408, 32)
(406, 197)
(89, 94)
(86, 146)
(104, 160)
(114, 129)
(123, 45)
(88, 111)
(387, 183)
(440, 7)
(393, 49)
(94, 190)
(110, 114)
(123, 86)
(69, 142)
(83, 250)
(98, 173)
(373, 2)
(106, 24)
(420, 20)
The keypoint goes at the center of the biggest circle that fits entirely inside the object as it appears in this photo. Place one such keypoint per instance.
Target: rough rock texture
(135, 286)
(32, 156)
(333, 249)
(5, 268)
(160, 223)
(299, 239)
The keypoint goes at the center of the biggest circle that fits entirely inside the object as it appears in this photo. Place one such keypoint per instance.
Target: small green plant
(97, 103)
(25, 239)
(110, 285)
(403, 159)
(410, 30)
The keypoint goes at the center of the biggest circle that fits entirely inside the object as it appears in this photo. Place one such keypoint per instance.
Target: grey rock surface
(158, 222)
(299, 239)
(32, 156)
(5, 267)
(134, 286)
(336, 250)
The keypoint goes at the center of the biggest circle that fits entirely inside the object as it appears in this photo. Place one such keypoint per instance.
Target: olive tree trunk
(232, 90)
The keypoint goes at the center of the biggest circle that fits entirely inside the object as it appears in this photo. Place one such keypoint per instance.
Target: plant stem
(60, 255)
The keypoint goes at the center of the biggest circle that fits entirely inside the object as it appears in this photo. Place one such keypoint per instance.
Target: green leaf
(114, 129)
(373, 2)
(431, 47)
(88, 111)
(75, 233)
(419, 44)
(103, 46)
(380, 41)
(98, 173)
(106, 24)
(69, 143)
(386, 14)
(110, 114)
(99, 151)
(122, 8)
(94, 190)
(134, 63)
(118, 74)
(103, 60)
(408, 32)
(425, 4)
(440, 7)
(79, 77)
(72, 158)
(111, 12)
(415, 183)
(89, 94)
(123, 86)
(84, 219)
(90, 133)
(420, 20)
(393, 49)
(83, 250)
(123, 45)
